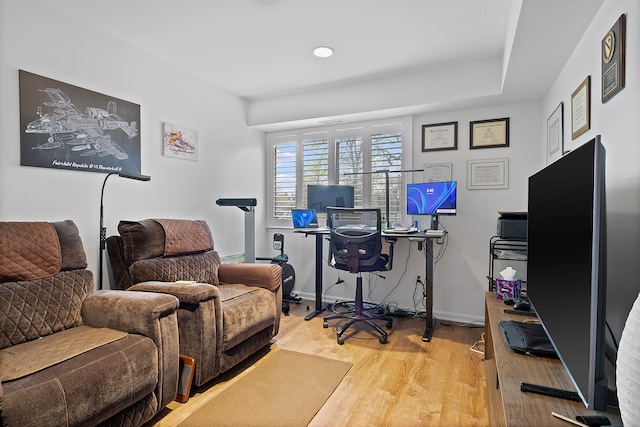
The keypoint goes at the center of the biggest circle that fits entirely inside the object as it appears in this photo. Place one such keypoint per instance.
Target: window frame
(364, 130)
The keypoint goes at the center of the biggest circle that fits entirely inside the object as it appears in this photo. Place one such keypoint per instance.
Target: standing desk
(428, 269)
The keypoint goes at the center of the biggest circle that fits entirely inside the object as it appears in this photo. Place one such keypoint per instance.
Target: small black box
(512, 225)
(512, 229)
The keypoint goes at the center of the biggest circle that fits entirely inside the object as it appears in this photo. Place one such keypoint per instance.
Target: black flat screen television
(432, 198)
(566, 266)
(320, 197)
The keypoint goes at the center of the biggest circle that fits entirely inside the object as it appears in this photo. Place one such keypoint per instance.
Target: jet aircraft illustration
(66, 125)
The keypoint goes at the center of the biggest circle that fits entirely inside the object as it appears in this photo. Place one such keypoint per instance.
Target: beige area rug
(285, 389)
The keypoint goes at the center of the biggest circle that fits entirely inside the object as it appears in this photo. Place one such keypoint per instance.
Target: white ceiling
(261, 50)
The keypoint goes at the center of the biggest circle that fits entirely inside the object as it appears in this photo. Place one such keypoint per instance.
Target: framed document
(489, 133)
(581, 109)
(555, 132)
(437, 172)
(613, 58)
(440, 136)
(488, 174)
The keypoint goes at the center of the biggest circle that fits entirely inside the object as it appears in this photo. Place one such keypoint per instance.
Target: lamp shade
(628, 368)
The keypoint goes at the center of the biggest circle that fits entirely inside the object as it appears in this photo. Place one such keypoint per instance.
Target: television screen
(319, 197)
(432, 198)
(566, 277)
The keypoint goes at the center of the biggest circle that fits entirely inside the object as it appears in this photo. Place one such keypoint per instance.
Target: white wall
(35, 38)
(461, 275)
(618, 124)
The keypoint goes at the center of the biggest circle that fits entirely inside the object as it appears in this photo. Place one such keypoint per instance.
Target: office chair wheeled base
(359, 311)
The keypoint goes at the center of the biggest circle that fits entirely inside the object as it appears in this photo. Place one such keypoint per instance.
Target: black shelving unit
(507, 251)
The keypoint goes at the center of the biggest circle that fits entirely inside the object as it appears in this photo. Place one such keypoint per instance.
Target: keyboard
(401, 230)
(315, 230)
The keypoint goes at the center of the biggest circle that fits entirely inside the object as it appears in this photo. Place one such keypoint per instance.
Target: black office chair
(356, 247)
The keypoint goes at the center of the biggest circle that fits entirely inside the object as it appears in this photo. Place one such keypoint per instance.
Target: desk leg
(319, 308)
(428, 269)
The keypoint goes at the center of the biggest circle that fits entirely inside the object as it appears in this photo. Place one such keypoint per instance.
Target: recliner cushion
(123, 372)
(42, 307)
(201, 268)
(183, 236)
(246, 310)
(151, 238)
(141, 239)
(71, 249)
(28, 251)
(24, 359)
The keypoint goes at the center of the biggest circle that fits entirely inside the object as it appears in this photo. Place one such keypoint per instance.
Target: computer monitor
(432, 198)
(304, 218)
(320, 197)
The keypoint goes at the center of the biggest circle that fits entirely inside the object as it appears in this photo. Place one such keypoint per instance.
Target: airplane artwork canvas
(67, 127)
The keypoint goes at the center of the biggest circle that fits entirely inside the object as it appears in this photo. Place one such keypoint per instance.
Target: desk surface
(519, 408)
(425, 234)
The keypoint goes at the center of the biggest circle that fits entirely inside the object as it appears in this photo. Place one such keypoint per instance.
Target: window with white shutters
(361, 155)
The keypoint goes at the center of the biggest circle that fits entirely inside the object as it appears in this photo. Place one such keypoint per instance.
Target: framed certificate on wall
(440, 136)
(489, 133)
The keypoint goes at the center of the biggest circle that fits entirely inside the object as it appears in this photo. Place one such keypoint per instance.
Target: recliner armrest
(268, 276)
(133, 312)
(144, 313)
(190, 294)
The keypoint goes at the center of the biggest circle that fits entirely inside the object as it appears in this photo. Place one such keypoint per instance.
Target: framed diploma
(437, 172)
(440, 136)
(488, 174)
(581, 109)
(613, 58)
(489, 133)
(555, 131)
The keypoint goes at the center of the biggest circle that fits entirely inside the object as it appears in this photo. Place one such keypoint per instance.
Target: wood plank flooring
(406, 382)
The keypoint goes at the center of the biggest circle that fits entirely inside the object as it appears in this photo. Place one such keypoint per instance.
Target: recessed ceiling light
(323, 51)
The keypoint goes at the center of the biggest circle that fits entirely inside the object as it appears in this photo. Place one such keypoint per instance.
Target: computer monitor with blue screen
(320, 197)
(304, 218)
(432, 198)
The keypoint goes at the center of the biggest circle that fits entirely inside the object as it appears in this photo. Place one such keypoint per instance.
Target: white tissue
(508, 273)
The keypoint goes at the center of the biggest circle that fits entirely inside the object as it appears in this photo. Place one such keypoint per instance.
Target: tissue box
(508, 288)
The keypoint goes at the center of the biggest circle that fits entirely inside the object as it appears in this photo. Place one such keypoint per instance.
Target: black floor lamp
(103, 230)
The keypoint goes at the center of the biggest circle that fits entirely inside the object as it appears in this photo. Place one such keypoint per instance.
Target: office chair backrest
(356, 239)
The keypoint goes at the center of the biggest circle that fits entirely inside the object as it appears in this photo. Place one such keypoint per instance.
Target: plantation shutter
(315, 162)
(284, 179)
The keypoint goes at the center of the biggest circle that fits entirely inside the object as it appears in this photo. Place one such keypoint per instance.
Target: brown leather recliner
(230, 311)
(70, 355)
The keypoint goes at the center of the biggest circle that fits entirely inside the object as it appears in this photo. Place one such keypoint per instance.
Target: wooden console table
(508, 406)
